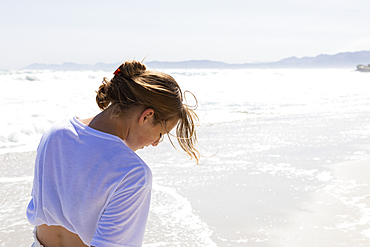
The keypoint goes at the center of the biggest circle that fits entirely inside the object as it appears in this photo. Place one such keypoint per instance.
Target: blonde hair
(133, 85)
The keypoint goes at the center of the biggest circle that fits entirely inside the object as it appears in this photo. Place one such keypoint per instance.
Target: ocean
(285, 156)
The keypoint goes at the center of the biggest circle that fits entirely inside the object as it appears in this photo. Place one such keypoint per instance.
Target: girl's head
(134, 86)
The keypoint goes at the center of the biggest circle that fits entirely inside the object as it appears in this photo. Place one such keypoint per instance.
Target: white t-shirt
(92, 184)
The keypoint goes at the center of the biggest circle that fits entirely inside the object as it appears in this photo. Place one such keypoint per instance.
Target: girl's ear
(147, 114)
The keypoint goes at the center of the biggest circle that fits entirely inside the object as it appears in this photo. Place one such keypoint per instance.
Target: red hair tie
(117, 71)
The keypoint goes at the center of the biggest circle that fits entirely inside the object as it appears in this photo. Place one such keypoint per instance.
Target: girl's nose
(155, 143)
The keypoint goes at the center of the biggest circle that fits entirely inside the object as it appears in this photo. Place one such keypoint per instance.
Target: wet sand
(338, 214)
(284, 182)
(16, 175)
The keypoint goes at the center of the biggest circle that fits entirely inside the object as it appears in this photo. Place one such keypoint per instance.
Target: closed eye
(161, 137)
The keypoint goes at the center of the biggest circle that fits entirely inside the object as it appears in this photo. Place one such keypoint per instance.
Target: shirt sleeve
(124, 220)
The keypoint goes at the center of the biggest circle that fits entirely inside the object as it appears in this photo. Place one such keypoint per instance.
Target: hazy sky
(233, 31)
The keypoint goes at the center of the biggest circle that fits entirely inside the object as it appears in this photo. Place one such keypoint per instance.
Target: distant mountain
(192, 64)
(340, 60)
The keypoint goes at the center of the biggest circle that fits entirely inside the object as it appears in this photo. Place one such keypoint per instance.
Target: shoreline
(16, 171)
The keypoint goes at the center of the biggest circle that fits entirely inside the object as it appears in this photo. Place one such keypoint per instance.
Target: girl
(90, 187)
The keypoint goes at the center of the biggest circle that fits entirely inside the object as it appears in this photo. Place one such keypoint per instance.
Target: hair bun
(131, 68)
